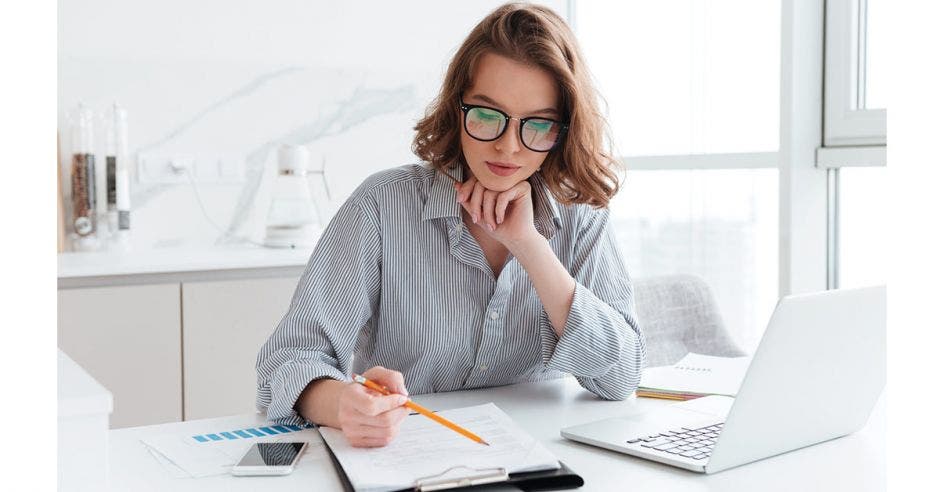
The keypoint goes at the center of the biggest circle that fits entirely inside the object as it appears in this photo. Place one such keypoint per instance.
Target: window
(694, 113)
(678, 78)
(854, 150)
(854, 62)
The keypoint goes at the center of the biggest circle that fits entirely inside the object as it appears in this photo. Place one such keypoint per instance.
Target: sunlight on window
(686, 76)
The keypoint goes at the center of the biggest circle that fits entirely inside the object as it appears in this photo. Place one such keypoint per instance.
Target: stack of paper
(694, 376)
(425, 450)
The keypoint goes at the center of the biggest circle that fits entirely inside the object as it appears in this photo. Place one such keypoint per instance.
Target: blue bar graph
(249, 433)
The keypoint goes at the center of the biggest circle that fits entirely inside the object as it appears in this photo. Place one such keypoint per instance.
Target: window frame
(845, 62)
(822, 71)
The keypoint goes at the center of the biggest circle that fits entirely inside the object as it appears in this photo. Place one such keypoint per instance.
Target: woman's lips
(501, 170)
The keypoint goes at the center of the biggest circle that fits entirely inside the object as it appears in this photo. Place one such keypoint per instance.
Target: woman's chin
(499, 184)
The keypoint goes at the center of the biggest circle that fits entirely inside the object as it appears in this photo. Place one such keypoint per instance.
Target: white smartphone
(269, 458)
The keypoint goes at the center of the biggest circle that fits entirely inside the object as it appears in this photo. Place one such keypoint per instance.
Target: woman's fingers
(362, 402)
(392, 380)
(489, 208)
(368, 419)
(476, 202)
(502, 203)
(520, 190)
(465, 189)
(390, 418)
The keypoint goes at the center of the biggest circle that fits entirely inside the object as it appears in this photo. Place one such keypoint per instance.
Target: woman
(491, 264)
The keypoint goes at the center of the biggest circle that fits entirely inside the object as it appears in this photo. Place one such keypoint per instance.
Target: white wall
(230, 80)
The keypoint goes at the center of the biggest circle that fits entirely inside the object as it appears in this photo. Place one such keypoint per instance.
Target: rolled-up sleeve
(601, 345)
(336, 297)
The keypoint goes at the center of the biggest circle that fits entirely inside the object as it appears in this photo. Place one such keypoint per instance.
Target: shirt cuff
(595, 339)
(288, 381)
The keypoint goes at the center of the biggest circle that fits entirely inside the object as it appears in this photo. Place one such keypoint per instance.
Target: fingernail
(490, 227)
(402, 399)
(474, 217)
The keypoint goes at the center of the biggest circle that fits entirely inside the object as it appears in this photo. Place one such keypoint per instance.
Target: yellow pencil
(418, 408)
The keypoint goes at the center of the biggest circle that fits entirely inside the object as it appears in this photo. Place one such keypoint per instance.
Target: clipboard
(458, 479)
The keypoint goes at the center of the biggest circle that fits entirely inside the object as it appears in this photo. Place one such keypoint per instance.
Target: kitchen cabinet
(224, 325)
(173, 334)
(128, 338)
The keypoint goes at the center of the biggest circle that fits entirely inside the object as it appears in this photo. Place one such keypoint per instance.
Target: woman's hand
(506, 216)
(369, 419)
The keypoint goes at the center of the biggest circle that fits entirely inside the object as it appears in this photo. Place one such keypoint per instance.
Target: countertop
(104, 268)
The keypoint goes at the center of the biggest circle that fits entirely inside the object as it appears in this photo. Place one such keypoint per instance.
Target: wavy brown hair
(580, 169)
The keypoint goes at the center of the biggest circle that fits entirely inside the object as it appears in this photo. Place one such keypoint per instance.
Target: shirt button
(494, 314)
(483, 368)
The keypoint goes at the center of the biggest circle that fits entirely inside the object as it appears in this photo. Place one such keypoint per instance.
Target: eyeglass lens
(537, 134)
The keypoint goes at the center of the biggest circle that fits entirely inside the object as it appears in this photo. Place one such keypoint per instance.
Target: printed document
(425, 449)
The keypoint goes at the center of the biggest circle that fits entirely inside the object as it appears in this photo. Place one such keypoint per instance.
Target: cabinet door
(224, 325)
(128, 338)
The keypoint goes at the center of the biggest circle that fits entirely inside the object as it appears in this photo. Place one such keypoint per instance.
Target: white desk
(855, 462)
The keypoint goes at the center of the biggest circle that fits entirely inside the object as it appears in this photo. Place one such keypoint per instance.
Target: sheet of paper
(214, 452)
(700, 374)
(424, 448)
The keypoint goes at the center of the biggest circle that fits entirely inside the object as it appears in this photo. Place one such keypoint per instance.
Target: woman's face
(519, 91)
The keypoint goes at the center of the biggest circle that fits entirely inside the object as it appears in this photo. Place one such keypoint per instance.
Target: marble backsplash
(354, 122)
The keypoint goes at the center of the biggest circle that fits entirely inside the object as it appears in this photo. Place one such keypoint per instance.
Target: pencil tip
(484, 442)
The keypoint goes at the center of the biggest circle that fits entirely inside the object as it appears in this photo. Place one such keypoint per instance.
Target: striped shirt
(398, 280)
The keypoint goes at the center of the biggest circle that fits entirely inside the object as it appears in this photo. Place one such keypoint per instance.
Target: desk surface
(855, 462)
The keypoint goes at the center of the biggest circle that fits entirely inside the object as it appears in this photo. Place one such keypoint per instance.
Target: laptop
(816, 376)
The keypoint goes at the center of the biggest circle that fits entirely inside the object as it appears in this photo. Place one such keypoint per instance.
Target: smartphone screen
(271, 454)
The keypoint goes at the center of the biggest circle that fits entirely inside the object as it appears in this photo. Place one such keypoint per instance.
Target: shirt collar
(442, 201)
(442, 197)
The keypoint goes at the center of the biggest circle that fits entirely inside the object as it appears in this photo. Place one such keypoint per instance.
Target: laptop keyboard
(690, 443)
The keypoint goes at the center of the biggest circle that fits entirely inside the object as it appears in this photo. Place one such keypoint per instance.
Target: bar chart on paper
(210, 451)
(249, 433)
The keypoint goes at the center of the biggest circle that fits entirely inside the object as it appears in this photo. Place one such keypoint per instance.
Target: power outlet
(162, 169)
(180, 168)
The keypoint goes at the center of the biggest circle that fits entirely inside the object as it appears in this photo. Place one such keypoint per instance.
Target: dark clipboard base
(560, 479)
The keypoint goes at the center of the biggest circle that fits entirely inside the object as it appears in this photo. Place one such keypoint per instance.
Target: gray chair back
(678, 315)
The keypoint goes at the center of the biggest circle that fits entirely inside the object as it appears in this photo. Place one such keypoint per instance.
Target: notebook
(694, 376)
(429, 456)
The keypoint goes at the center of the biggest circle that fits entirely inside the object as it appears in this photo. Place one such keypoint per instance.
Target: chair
(678, 315)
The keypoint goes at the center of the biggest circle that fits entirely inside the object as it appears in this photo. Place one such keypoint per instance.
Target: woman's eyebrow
(489, 100)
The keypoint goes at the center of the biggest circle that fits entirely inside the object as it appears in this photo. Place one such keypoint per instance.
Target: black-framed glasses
(487, 124)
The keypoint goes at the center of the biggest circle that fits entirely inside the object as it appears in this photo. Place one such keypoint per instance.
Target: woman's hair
(580, 169)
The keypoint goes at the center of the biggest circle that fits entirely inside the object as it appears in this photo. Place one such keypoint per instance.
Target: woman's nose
(510, 138)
